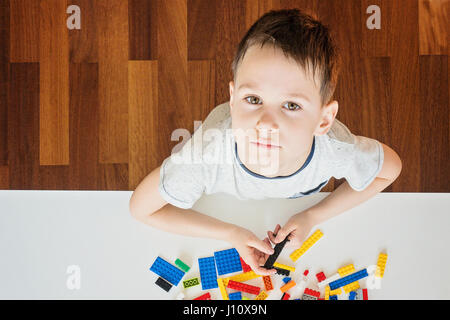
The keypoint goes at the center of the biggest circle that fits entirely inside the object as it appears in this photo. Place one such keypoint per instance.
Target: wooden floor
(94, 109)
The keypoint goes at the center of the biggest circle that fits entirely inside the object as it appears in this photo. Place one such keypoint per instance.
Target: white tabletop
(43, 233)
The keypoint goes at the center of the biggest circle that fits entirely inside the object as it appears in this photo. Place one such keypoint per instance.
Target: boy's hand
(252, 250)
(298, 226)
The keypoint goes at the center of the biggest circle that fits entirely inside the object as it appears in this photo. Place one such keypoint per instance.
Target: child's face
(269, 113)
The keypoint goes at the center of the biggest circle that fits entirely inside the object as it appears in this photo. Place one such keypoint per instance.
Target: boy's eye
(289, 103)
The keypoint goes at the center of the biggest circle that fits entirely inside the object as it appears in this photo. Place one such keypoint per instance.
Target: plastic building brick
(282, 272)
(305, 273)
(223, 291)
(348, 279)
(365, 296)
(352, 295)
(206, 296)
(208, 275)
(235, 296)
(245, 298)
(167, 271)
(335, 292)
(163, 284)
(262, 295)
(308, 297)
(245, 267)
(190, 283)
(227, 261)
(344, 271)
(287, 286)
(183, 266)
(327, 293)
(243, 287)
(351, 287)
(286, 279)
(267, 283)
(359, 295)
(306, 245)
(320, 276)
(381, 264)
(311, 292)
(333, 297)
(244, 276)
(283, 266)
(277, 250)
(285, 296)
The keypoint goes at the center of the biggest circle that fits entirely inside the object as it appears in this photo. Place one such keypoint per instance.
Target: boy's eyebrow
(293, 95)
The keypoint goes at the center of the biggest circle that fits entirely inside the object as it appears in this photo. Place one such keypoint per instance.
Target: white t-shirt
(208, 163)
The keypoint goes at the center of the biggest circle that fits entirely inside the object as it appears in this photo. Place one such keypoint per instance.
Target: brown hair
(301, 37)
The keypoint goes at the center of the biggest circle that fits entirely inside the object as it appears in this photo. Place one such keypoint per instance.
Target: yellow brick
(261, 296)
(351, 287)
(244, 276)
(344, 271)
(335, 291)
(327, 293)
(283, 266)
(223, 291)
(381, 265)
(306, 245)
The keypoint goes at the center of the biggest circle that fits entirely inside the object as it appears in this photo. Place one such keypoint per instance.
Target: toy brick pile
(228, 261)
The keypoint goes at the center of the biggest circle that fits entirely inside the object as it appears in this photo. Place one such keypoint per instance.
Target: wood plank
(434, 124)
(54, 84)
(174, 110)
(201, 81)
(23, 126)
(376, 42)
(201, 19)
(143, 122)
(24, 21)
(84, 42)
(112, 29)
(405, 106)
(4, 177)
(433, 26)
(143, 38)
(113, 176)
(4, 79)
(83, 171)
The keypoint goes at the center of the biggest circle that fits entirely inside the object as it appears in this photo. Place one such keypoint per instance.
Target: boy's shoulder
(339, 133)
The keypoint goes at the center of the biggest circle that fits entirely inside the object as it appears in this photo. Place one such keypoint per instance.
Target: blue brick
(333, 297)
(208, 276)
(286, 279)
(235, 296)
(167, 271)
(227, 261)
(352, 295)
(348, 279)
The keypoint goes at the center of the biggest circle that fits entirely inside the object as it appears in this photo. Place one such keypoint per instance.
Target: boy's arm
(188, 222)
(341, 199)
(345, 198)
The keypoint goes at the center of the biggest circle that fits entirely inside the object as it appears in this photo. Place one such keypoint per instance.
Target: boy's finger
(261, 246)
(264, 271)
(284, 232)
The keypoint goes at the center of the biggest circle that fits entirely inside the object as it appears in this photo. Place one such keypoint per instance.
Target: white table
(42, 233)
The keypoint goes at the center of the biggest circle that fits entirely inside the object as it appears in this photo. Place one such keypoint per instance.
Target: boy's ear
(328, 114)
(231, 85)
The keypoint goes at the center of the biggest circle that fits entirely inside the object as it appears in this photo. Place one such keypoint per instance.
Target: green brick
(190, 283)
(182, 265)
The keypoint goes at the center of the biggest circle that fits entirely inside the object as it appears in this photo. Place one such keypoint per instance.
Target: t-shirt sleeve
(365, 162)
(181, 182)
(364, 156)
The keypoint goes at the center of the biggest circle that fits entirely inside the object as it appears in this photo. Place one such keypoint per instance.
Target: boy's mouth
(265, 144)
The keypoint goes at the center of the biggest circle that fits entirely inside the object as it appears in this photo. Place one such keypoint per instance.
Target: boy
(285, 143)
